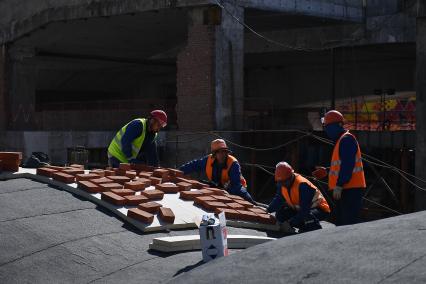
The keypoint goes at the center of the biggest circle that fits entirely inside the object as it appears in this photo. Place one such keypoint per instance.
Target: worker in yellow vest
(346, 175)
(221, 168)
(137, 140)
(298, 203)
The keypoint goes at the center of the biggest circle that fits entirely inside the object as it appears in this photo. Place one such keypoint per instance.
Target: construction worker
(298, 203)
(136, 141)
(222, 170)
(346, 175)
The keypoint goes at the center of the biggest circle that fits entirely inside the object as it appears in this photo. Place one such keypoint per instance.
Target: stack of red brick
(10, 161)
(125, 186)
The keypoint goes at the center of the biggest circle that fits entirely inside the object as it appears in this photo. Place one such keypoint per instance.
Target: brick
(245, 203)
(109, 173)
(123, 192)
(99, 172)
(235, 197)
(205, 192)
(11, 156)
(153, 194)
(119, 179)
(135, 199)
(120, 172)
(10, 166)
(266, 219)
(89, 187)
(142, 168)
(257, 210)
(247, 216)
(151, 207)
(212, 205)
(81, 177)
(235, 206)
(160, 173)
(125, 166)
(155, 180)
(63, 177)
(189, 195)
(217, 191)
(73, 172)
(101, 180)
(229, 213)
(183, 186)
(57, 168)
(140, 215)
(167, 215)
(167, 188)
(222, 198)
(113, 198)
(47, 172)
(175, 173)
(198, 185)
(131, 174)
(136, 185)
(77, 166)
(200, 200)
(146, 175)
(110, 186)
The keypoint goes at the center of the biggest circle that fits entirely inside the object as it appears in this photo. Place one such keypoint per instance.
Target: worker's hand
(286, 227)
(337, 192)
(320, 173)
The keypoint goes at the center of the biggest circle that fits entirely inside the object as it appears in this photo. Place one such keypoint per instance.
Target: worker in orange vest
(298, 203)
(222, 170)
(346, 175)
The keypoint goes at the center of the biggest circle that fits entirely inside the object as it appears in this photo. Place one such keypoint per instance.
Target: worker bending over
(298, 203)
(222, 170)
(136, 141)
(346, 176)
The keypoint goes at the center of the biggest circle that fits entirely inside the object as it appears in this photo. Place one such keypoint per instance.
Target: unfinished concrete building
(73, 72)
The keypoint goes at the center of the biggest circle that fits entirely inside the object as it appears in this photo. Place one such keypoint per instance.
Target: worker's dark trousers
(310, 223)
(348, 208)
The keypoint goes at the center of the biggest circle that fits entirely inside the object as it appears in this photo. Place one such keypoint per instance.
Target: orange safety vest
(224, 178)
(293, 199)
(358, 179)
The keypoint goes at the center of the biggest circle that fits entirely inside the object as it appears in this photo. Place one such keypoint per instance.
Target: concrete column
(210, 71)
(3, 87)
(420, 196)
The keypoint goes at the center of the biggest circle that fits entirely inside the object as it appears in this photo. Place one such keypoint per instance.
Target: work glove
(287, 228)
(320, 173)
(337, 192)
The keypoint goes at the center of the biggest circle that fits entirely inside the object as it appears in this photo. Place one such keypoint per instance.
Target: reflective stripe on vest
(293, 199)
(358, 179)
(224, 178)
(115, 148)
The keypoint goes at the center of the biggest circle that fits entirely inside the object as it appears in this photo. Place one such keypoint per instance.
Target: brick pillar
(210, 71)
(3, 87)
(421, 111)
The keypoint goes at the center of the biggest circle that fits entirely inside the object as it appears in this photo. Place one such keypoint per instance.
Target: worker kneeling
(298, 203)
(222, 170)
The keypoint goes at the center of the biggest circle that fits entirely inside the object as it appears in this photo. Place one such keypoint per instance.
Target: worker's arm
(277, 202)
(306, 194)
(198, 165)
(347, 151)
(134, 130)
(235, 186)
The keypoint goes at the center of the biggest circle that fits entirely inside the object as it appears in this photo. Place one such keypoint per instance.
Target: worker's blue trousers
(348, 208)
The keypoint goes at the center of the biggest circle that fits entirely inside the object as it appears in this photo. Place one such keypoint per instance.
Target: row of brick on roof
(118, 186)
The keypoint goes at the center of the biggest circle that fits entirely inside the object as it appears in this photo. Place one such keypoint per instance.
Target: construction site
(212, 141)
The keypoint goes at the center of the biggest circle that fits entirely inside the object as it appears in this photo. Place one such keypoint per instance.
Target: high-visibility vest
(224, 177)
(115, 148)
(293, 199)
(358, 179)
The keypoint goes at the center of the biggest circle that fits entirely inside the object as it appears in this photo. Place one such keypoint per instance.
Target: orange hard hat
(218, 144)
(283, 171)
(333, 116)
(160, 116)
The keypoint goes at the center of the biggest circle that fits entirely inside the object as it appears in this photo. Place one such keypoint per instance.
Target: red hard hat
(283, 171)
(218, 144)
(333, 116)
(160, 116)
